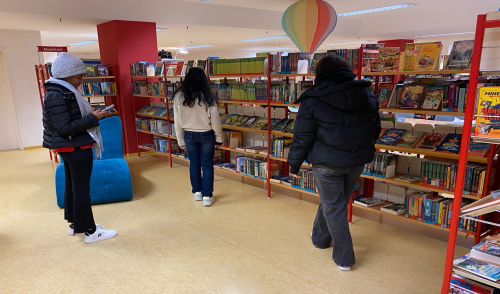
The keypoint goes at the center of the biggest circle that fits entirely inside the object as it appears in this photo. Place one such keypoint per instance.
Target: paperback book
(478, 267)
(450, 144)
(433, 98)
(409, 139)
(282, 125)
(394, 208)
(388, 59)
(461, 55)
(411, 97)
(478, 149)
(431, 141)
(488, 113)
(410, 179)
(384, 94)
(428, 56)
(370, 201)
(482, 206)
(391, 137)
(487, 252)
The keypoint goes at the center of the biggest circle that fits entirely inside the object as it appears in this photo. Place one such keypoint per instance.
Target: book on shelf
(388, 59)
(410, 179)
(411, 97)
(261, 124)
(151, 69)
(96, 89)
(394, 208)
(431, 141)
(240, 121)
(159, 68)
(102, 70)
(250, 121)
(391, 137)
(478, 149)
(461, 285)
(369, 202)
(488, 114)
(412, 54)
(450, 144)
(232, 139)
(289, 128)
(460, 55)
(282, 125)
(486, 252)
(433, 98)
(280, 147)
(428, 56)
(384, 94)
(409, 139)
(256, 149)
(229, 120)
(90, 70)
(480, 268)
(382, 166)
(485, 205)
(315, 60)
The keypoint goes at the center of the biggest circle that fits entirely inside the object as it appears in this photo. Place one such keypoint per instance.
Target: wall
(20, 54)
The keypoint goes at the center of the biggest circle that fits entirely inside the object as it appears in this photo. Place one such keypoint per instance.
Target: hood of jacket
(340, 90)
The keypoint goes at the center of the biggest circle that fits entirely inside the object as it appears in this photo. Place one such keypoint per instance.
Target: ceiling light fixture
(159, 29)
(198, 46)
(264, 39)
(343, 43)
(450, 34)
(182, 51)
(377, 9)
(83, 43)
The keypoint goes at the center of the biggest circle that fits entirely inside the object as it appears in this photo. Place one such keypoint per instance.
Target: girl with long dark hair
(198, 128)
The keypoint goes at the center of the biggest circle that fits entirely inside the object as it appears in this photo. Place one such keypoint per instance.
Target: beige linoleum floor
(168, 243)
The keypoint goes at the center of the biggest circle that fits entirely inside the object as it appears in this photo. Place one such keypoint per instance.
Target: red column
(123, 43)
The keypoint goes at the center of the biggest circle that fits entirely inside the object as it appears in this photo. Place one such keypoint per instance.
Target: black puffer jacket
(62, 120)
(337, 124)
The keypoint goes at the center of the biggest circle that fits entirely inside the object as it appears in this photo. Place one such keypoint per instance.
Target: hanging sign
(52, 49)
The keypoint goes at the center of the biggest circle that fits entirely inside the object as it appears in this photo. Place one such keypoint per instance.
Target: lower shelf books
(370, 201)
(94, 89)
(255, 168)
(477, 267)
(394, 208)
(461, 285)
(487, 252)
(161, 127)
(306, 181)
(155, 110)
(382, 166)
(280, 147)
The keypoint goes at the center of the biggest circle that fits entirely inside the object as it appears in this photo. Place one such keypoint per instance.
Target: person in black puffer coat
(336, 129)
(72, 129)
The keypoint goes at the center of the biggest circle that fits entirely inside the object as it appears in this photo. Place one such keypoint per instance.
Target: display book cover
(230, 120)
(412, 96)
(460, 55)
(428, 56)
(409, 139)
(412, 52)
(483, 205)
(282, 125)
(395, 208)
(431, 141)
(488, 113)
(407, 179)
(433, 97)
(388, 58)
(478, 149)
(384, 94)
(240, 121)
(483, 269)
(370, 201)
(487, 252)
(450, 144)
(391, 137)
(250, 121)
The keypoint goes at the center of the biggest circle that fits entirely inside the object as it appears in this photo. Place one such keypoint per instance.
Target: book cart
(482, 25)
(42, 75)
(165, 99)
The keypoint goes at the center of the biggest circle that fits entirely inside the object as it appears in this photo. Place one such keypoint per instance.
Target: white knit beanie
(66, 65)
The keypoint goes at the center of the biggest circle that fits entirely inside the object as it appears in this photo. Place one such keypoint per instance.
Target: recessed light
(263, 39)
(450, 34)
(182, 51)
(376, 9)
(83, 43)
(198, 46)
(159, 29)
(343, 43)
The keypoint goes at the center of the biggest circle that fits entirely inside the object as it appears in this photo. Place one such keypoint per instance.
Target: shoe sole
(208, 204)
(198, 199)
(97, 240)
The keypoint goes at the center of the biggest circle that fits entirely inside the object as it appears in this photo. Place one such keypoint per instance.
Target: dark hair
(331, 63)
(196, 87)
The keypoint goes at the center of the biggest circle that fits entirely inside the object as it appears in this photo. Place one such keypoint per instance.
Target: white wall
(20, 54)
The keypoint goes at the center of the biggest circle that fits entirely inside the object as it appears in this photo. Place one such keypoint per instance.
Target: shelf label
(52, 49)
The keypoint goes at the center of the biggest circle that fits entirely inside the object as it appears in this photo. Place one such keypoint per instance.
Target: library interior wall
(20, 55)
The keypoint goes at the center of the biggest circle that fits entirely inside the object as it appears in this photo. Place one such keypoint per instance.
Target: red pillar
(123, 43)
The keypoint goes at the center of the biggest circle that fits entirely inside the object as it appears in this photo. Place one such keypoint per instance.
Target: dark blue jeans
(201, 156)
(335, 186)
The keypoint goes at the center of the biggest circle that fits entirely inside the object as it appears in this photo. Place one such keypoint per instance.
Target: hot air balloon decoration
(308, 23)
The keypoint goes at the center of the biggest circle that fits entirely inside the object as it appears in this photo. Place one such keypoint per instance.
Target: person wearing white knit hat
(71, 128)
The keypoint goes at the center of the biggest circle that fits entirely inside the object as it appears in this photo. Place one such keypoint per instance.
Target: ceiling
(226, 22)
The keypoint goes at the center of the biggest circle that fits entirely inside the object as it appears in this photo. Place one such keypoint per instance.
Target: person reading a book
(335, 131)
(71, 128)
(198, 128)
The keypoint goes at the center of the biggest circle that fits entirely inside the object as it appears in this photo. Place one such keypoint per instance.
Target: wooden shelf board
(282, 134)
(98, 95)
(427, 72)
(153, 116)
(422, 111)
(293, 189)
(431, 153)
(401, 216)
(243, 129)
(148, 96)
(280, 159)
(243, 152)
(257, 103)
(147, 77)
(414, 186)
(101, 77)
(154, 134)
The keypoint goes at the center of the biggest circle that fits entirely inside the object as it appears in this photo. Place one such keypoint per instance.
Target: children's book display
(461, 55)
(488, 115)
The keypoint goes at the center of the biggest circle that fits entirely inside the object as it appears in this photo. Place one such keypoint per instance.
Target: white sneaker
(71, 231)
(100, 234)
(208, 201)
(198, 196)
(344, 268)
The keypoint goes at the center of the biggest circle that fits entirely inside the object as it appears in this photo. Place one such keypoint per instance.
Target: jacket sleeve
(304, 135)
(378, 125)
(216, 124)
(60, 116)
(179, 131)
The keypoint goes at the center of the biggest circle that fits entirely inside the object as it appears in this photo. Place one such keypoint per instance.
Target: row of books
(102, 107)
(251, 167)
(93, 70)
(156, 110)
(380, 164)
(282, 92)
(462, 285)
(442, 175)
(448, 97)
(488, 115)
(305, 182)
(95, 89)
(257, 123)
(280, 147)
(157, 126)
(238, 66)
(154, 89)
(449, 143)
(351, 55)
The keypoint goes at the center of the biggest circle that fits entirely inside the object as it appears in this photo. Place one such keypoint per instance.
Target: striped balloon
(308, 23)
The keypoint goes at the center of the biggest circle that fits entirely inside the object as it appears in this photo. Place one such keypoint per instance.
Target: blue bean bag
(111, 180)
